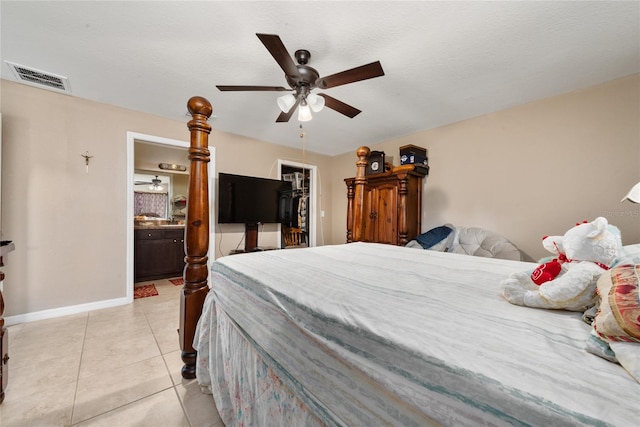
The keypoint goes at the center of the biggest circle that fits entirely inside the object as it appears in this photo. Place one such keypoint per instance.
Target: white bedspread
(368, 334)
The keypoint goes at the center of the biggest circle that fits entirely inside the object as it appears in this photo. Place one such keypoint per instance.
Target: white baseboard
(64, 311)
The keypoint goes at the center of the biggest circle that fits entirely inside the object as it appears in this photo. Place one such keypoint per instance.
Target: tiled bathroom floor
(114, 367)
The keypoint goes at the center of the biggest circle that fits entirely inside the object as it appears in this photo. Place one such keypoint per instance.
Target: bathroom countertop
(158, 226)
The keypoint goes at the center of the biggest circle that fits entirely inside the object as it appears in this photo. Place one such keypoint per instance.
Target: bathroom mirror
(168, 203)
(160, 195)
(152, 195)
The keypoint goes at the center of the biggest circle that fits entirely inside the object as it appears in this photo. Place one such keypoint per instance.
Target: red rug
(177, 282)
(145, 291)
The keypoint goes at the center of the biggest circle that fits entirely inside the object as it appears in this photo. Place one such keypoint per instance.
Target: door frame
(132, 137)
(313, 196)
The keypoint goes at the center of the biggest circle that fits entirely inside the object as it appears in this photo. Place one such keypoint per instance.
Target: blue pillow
(433, 236)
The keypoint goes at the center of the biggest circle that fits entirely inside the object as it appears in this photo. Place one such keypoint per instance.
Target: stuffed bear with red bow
(567, 282)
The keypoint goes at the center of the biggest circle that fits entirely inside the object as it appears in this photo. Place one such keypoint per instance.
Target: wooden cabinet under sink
(159, 253)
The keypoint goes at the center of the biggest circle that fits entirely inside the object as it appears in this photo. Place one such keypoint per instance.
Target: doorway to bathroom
(146, 155)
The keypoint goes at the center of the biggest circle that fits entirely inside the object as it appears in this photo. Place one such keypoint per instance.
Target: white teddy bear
(569, 281)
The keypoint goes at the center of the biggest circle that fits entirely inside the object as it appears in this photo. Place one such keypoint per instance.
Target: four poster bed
(365, 334)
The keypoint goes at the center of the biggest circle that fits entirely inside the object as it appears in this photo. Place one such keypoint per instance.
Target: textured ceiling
(443, 61)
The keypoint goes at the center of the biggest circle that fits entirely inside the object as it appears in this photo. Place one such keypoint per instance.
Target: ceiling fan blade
(276, 48)
(254, 88)
(285, 116)
(339, 106)
(357, 74)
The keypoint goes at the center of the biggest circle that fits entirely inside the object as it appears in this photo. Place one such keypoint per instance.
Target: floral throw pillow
(618, 318)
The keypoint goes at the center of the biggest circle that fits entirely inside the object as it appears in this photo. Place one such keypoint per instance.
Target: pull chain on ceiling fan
(302, 79)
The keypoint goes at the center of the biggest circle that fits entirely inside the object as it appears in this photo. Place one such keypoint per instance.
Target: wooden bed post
(196, 238)
(350, 196)
(403, 191)
(360, 182)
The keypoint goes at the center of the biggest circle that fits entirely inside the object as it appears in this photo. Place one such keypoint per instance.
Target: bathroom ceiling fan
(154, 184)
(302, 79)
(154, 181)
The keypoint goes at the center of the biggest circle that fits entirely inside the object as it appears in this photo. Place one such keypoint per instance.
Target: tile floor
(114, 367)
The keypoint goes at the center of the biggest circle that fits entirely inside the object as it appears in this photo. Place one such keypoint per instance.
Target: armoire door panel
(385, 203)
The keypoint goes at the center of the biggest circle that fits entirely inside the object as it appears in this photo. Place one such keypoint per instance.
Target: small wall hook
(86, 159)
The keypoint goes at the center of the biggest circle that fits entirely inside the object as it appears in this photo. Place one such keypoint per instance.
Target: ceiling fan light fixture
(155, 184)
(316, 103)
(303, 78)
(286, 102)
(304, 112)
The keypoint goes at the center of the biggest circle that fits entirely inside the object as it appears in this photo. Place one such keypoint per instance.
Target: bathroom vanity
(158, 251)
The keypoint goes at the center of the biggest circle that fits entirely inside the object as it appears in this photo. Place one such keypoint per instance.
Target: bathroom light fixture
(633, 195)
(172, 167)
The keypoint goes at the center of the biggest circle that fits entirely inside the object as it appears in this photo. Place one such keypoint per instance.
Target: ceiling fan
(302, 79)
(154, 183)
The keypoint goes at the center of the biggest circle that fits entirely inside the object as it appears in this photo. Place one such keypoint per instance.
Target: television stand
(250, 237)
(251, 241)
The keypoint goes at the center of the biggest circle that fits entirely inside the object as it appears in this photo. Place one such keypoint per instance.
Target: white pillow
(629, 254)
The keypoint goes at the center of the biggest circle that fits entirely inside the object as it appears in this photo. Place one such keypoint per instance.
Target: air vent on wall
(39, 78)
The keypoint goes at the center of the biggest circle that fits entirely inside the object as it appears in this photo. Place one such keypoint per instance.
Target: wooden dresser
(5, 248)
(385, 207)
(4, 347)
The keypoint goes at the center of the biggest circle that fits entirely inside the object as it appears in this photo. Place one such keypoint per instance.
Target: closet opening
(298, 205)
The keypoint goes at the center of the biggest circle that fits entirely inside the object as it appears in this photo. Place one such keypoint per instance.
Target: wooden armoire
(385, 207)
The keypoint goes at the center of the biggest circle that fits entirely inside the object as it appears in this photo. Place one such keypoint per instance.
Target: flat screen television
(249, 200)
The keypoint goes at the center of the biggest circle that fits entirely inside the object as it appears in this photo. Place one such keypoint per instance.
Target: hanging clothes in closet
(303, 214)
(294, 210)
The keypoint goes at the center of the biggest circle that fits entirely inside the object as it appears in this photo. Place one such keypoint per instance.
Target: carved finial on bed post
(360, 182)
(196, 239)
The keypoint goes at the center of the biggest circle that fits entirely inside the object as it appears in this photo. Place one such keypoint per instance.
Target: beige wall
(525, 172)
(528, 171)
(69, 226)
